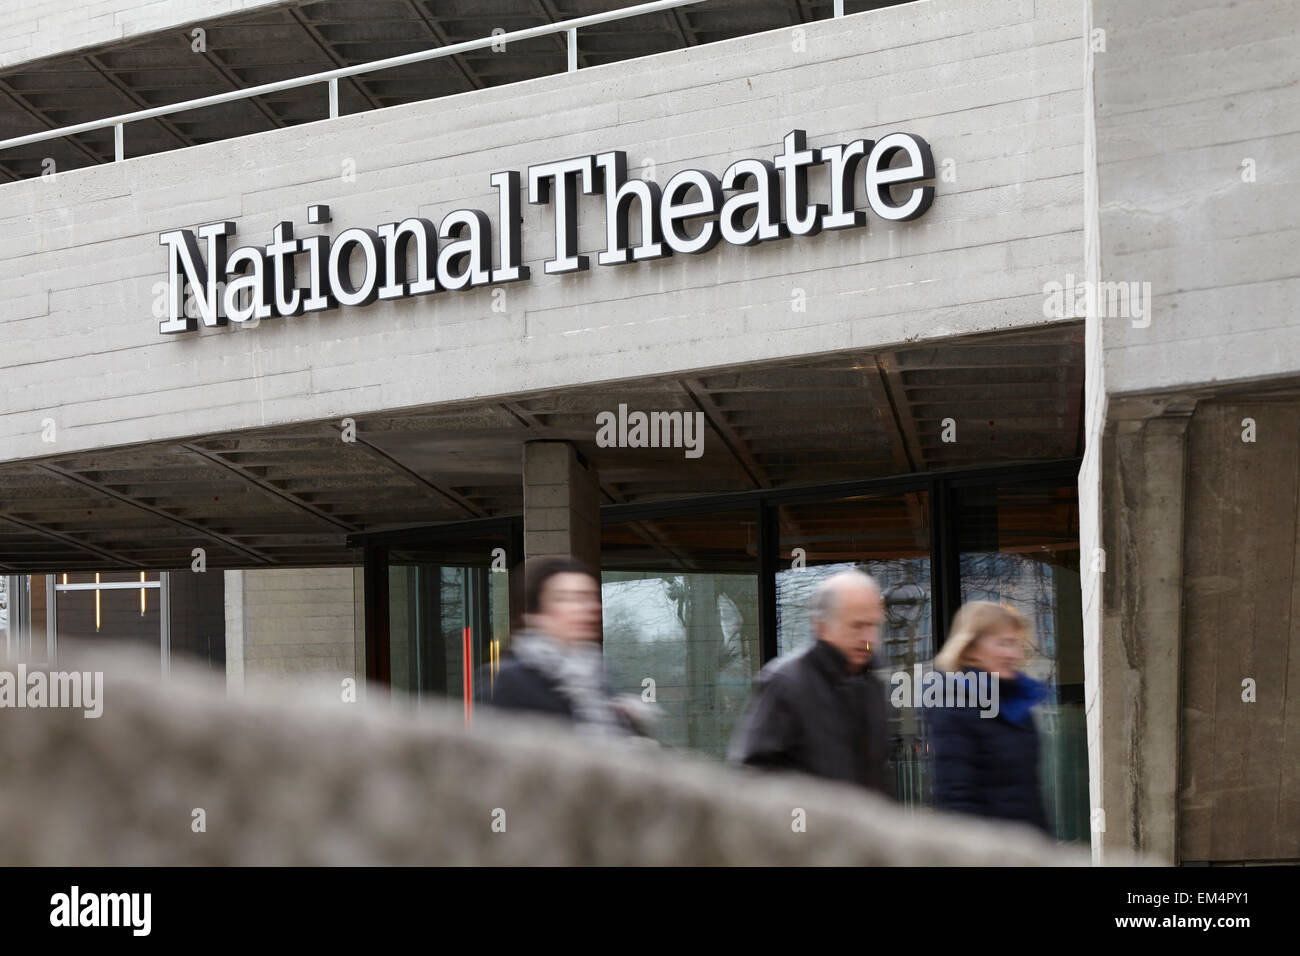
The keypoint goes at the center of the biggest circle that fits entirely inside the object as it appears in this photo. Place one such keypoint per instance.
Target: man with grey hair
(820, 711)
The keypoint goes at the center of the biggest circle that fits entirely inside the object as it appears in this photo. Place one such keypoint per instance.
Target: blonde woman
(986, 763)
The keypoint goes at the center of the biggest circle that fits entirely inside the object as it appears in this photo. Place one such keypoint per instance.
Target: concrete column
(236, 631)
(561, 503)
(359, 629)
(1137, 663)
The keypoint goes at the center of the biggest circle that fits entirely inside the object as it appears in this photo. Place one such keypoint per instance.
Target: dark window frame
(944, 549)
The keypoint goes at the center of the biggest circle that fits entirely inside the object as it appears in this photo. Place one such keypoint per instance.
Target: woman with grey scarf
(555, 664)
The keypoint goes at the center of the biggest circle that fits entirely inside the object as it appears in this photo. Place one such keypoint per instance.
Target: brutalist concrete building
(991, 298)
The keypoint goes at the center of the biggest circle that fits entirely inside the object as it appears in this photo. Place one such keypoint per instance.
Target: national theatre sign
(755, 200)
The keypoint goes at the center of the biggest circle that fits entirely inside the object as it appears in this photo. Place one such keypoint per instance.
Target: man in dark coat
(821, 711)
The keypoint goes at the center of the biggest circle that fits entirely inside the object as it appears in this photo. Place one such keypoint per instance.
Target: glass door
(448, 619)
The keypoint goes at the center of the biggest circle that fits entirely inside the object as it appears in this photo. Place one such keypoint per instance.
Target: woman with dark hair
(555, 664)
(986, 762)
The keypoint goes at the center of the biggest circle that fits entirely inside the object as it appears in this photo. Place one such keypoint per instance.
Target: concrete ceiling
(311, 36)
(288, 496)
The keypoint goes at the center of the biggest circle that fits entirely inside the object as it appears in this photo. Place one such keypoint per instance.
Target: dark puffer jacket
(988, 766)
(520, 687)
(809, 714)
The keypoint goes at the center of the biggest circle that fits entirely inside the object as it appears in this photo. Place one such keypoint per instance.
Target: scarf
(1017, 696)
(578, 669)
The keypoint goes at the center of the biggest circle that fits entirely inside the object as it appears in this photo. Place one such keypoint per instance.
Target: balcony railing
(331, 77)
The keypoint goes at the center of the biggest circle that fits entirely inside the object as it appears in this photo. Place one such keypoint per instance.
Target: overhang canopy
(289, 496)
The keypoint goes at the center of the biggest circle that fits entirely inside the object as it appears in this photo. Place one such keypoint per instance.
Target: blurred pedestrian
(555, 663)
(986, 760)
(821, 711)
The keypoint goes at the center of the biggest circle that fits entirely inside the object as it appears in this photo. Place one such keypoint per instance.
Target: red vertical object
(469, 678)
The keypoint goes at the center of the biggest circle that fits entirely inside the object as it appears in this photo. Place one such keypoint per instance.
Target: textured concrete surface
(1190, 186)
(561, 502)
(290, 777)
(35, 29)
(1197, 121)
(995, 86)
(292, 621)
(1239, 794)
(1140, 667)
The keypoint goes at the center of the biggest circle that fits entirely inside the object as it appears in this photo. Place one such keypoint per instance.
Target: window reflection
(449, 618)
(682, 594)
(1019, 545)
(680, 602)
(123, 605)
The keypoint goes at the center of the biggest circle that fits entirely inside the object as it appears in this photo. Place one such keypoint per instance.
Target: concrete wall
(288, 778)
(36, 29)
(1240, 773)
(1091, 553)
(561, 503)
(292, 623)
(1193, 132)
(994, 85)
(1187, 92)
(1138, 658)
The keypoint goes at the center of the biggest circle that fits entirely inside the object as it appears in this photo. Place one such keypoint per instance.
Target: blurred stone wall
(288, 775)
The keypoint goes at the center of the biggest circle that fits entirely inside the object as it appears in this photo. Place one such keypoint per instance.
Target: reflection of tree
(1021, 581)
(906, 583)
(678, 591)
(696, 635)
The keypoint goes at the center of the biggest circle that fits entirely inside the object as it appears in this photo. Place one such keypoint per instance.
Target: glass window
(682, 594)
(196, 604)
(448, 617)
(680, 602)
(13, 589)
(122, 605)
(1019, 545)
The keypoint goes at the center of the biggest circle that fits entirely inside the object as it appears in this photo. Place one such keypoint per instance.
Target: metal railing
(332, 77)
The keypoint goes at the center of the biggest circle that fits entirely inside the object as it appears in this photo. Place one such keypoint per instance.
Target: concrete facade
(561, 503)
(43, 28)
(1239, 786)
(1194, 193)
(293, 778)
(1197, 160)
(994, 86)
(1150, 145)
